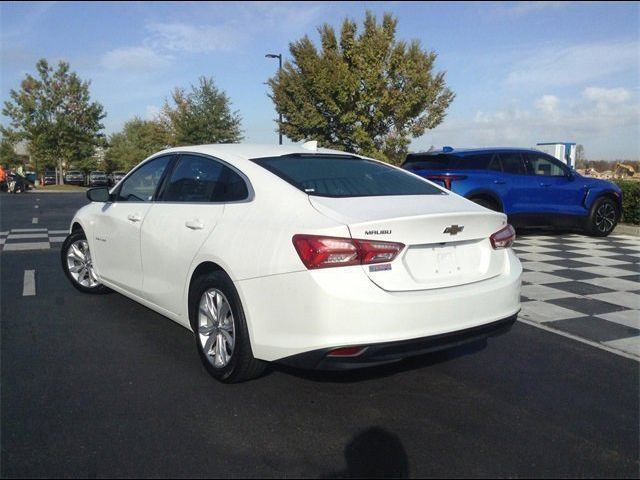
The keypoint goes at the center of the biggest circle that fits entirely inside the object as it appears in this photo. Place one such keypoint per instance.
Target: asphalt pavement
(100, 386)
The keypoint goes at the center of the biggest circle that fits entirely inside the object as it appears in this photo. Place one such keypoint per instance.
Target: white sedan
(293, 254)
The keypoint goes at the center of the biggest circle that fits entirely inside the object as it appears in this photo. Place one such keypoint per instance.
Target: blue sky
(523, 72)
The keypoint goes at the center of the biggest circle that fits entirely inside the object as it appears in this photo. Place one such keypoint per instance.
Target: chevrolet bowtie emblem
(454, 229)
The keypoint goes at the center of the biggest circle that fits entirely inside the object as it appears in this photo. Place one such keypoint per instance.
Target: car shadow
(385, 370)
(374, 453)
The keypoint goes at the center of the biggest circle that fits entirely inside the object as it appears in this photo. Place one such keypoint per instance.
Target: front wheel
(603, 217)
(78, 264)
(220, 329)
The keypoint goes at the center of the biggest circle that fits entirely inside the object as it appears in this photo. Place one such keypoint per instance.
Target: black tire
(70, 240)
(603, 217)
(242, 365)
(486, 203)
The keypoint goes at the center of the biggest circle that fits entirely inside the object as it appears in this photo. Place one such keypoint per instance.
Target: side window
(235, 188)
(474, 162)
(194, 179)
(494, 164)
(542, 165)
(142, 184)
(512, 163)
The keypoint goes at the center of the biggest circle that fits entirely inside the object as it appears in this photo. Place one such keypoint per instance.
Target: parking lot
(101, 386)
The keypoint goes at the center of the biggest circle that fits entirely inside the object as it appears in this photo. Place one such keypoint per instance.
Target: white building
(563, 151)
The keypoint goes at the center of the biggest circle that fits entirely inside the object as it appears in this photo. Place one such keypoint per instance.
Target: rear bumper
(310, 311)
(387, 352)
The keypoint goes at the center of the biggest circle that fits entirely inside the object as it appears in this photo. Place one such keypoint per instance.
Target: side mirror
(99, 194)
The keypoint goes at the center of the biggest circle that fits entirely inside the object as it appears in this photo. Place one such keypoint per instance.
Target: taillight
(446, 179)
(503, 238)
(322, 252)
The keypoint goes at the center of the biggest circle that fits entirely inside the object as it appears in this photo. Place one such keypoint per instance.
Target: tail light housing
(324, 252)
(503, 238)
(446, 179)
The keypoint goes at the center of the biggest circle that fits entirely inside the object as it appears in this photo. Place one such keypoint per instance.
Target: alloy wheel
(216, 328)
(80, 264)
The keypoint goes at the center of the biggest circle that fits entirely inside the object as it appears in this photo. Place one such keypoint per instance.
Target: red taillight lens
(346, 352)
(503, 238)
(446, 179)
(322, 252)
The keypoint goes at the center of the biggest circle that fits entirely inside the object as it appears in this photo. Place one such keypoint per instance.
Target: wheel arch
(487, 195)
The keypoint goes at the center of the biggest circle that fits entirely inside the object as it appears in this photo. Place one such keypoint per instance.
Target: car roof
(471, 151)
(243, 152)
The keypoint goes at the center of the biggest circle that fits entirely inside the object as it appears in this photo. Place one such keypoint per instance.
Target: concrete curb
(627, 229)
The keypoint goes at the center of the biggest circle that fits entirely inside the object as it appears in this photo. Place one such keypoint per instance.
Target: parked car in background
(533, 188)
(74, 177)
(97, 179)
(115, 177)
(16, 183)
(310, 257)
(49, 177)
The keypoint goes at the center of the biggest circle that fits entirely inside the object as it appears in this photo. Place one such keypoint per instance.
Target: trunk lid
(446, 238)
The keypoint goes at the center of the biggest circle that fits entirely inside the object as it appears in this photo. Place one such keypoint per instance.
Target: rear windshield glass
(338, 176)
(479, 161)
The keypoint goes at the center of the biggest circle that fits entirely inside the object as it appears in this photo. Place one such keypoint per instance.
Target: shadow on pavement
(374, 453)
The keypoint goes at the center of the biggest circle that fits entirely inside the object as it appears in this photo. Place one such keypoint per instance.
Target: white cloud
(547, 103)
(152, 112)
(182, 37)
(607, 95)
(134, 59)
(605, 120)
(574, 65)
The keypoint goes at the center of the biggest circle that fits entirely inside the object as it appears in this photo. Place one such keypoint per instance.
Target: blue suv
(534, 189)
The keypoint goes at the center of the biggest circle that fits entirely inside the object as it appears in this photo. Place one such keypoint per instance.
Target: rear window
(341, 176)
(445, 161)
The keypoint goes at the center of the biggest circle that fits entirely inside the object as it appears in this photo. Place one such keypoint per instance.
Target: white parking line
(36, 206)
(580, 339)
(26, 230)
(34, 220)
(58, 232)
(29, 289)
(22, 236)
(26, 246)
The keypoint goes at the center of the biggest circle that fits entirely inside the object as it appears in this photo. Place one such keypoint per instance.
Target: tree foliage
(8, 156)
(201, 116)
(55, 114)
(365, 92)
(137, 140)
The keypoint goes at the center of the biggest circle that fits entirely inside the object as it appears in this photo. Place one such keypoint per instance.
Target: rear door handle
(545, 184)
(194, 224)
(134, 217)
(499, 182)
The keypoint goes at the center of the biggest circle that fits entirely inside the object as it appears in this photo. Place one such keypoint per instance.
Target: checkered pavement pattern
(585, 286)
(19, 239)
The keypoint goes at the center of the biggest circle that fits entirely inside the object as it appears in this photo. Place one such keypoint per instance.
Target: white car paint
(149, 252)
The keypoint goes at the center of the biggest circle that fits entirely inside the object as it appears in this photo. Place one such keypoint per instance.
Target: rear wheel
(603, 217)
(220, 329)
(486, 203)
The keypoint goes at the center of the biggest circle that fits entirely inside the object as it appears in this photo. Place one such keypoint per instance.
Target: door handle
(194, 224)
(134, 217)
(545, 184)
(499, 182)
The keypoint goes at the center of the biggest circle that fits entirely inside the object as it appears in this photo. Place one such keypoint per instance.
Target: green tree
(201, 116)
(367, 93)
(137, 140)
(8, 156)
(54, 113)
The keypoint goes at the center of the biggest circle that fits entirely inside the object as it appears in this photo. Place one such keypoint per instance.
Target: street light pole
(279, 57)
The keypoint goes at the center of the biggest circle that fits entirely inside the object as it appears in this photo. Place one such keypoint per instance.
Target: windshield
(345, 176)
